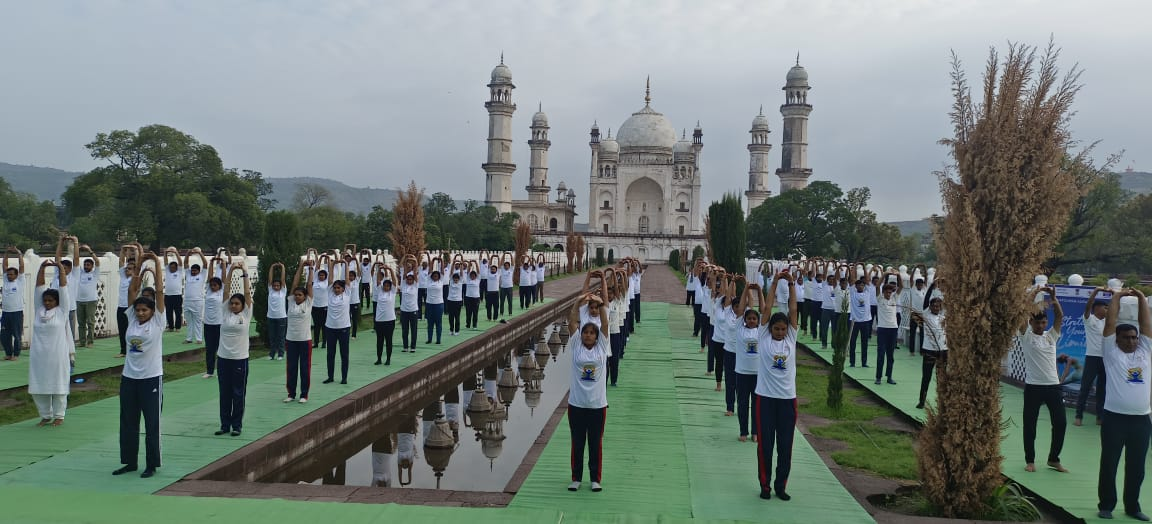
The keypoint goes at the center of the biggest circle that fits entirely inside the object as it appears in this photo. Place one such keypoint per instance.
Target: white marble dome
(646, 129)
(796, 76)
(609, 146)
(682, 147)
(760, 122)
(501, 74)
(539, 119)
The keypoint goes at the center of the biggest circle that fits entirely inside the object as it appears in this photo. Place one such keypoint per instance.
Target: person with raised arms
(1094, 372)
(365, 276)
(384, 296)
(51, 352)
(409, 305)
(506, 282)
(541, 275)
(87, 296)
(473, 290)
(454, 300)
(1042, 382)
(434, 305)
(213, 315)
(142, 379)
(422, 277)
(1125, 427)
(860, 316)
(298, 338)
(775, 401)
(195, 282)
(338, 324)
(65, 267)
(354, 311)
(321, 285)
(232, 358)
(12, 309)
(588, 396)
(736, 319)
(173, 290)
(277, 314)
(887, 326)
(934, 354)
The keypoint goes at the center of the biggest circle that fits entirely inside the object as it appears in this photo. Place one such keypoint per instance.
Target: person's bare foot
(57, 422)
(44, 422)
(1031, 468)
(743, 438)
(1078, 421)
(718, 387)
(1057, 466)
(728, 413)
(707, 373)
(1098, 422)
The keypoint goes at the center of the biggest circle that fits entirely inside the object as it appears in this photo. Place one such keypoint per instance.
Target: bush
(599, 260)
(674, 259)
(282, 243)
(611, 257)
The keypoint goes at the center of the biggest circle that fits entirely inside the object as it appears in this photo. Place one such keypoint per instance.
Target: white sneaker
(206, 375)
(289, 399)
(575, 486)
(303, 400)
(596, 487)
(281, 357)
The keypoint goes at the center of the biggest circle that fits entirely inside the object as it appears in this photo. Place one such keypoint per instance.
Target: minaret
(758, 162)
(538, 188)
(499, 167)
(794, 170)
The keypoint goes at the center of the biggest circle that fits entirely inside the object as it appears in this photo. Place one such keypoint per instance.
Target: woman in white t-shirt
(297, 336)
(740, 324)
(473, 290)
(454, 302)
(337, 327)
(353, 286)
(775, 409)
(142, 380)
(887, 327)
(51, 352)
(232, 357)
(320, 289)
(277, 314)
(541, 275)
(588, 396)
(434, 305)
(1042, 383)
(213, 320)
(384, 295)
(410, 293)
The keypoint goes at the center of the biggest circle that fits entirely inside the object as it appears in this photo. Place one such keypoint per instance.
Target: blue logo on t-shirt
(588, 373)
(780, 362)
(134, 345)
(1135, 376)
(750, 348)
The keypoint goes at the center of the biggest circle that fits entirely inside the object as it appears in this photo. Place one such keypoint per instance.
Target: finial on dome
(501, 57)
(648, 90)
(540, 107)
(797, 57)
(609, 132)
(761, 109)
(684, 134)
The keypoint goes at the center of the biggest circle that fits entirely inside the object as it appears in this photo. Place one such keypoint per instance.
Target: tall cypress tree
(282, 243)
(727, 233)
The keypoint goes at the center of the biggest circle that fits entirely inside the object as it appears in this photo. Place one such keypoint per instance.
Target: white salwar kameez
(50, 357)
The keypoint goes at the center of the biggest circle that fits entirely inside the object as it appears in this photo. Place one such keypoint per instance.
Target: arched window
(643, 224)
(533, 222)
(552, 224)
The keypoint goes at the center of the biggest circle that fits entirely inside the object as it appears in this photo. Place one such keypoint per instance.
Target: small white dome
(682, 147)
(609, 146)
(797, 76)
(540, 119)
(501, 74)
(646, 129)
(562, 186)
(760, 122)
(571, 192)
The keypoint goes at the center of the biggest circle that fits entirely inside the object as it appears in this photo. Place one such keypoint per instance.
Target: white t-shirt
(812, 290)
(86, 287)
(934, 339)
(839, 305)
(277, 302)
(385, 303)
(783, 291)
(145, 357)
(409, 302)
(886, 309)
(916, 299)
(194, 287)
(1093, 336)
(472, 286)
(214, 308)
(234, 335)
(173, 283)
(540, 274)
(828, 297)
(435, 291)
(353, 291)
(777, 372)
(526, 276)
(14, 294)
(493, 281)
(699, 298)
(505, 277)
(1127, 384)
(746, 343)
(615, 316)
(635, 283)
(338, 316)
(860, 306)
(873, 300)
(299, 321)
(455, 291)
(484, 272)
(125, 283)
(586, 317)
(320, 293)
(587, 389)
(423, 277)
(73, 288)
(1040, 357)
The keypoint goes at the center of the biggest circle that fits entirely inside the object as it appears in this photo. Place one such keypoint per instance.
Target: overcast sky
(375, 93)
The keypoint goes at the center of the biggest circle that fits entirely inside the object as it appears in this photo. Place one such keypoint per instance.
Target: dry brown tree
(580, 247)
(570, 248)
(407, 232)
(1007, 198)
(708, 240)
(523, 244)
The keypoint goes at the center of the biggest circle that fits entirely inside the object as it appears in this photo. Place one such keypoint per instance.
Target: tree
(311, 196)
(407, 232)
(1087, 242)
(1006, 200)
(162, 186)
(377, 225)
(326, 227)
(523, 242)
(263, 188)
(839, 351)
(797, 222)
(281, 243)
(25, 221)
(726, 229)
(674, 259)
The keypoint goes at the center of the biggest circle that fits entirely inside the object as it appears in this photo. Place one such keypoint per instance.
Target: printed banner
(1073, 300)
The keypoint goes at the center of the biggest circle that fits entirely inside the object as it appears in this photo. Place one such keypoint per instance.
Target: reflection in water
(430, 449)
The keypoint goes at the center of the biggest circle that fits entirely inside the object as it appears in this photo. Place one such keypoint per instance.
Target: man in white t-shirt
(914, 303)
(1042, 383)
(860, 316)
(12, 312)
(1094, 373)
(1126, 427)
(886, 328)
(88, 295)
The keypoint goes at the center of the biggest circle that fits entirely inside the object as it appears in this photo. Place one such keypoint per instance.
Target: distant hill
(48, 184)
(1136, 181)
(913, 227)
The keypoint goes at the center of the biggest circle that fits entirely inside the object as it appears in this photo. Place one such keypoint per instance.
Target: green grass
(19, 406)
(813, 386)
(872, 448)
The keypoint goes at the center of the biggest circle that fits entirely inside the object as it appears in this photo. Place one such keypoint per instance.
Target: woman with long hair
(298, 339)
(51, 352)
(337, 326)
(320, 288)
(384, 296)
(232, 358)
(775, 410)
(588, 396)
(142, 380)
(277, 314)
(213, 317)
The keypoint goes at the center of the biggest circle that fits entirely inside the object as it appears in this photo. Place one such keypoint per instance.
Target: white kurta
(49, 365)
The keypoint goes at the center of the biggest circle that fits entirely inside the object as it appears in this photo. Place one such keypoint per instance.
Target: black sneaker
(148, 473)
(782, 495)
(329, 381)
(124, 469)
(893, 382)
(920, 405)
(765, 494)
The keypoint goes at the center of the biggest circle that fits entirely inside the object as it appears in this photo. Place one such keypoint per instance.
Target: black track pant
(232, 375)
(505, 298)
(384, 331)
(931, 360)
(1034, 397)
(587, 427)
(471, 312)
(174, 311)
(354, 317)
(211, 345)
(776, 420)
(1093, 373)
(1127, 434)
(337, 339)
(492, 305)
(122, 328)
(140, 397)
(452, 308)
(299, 366)
(319, 317)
